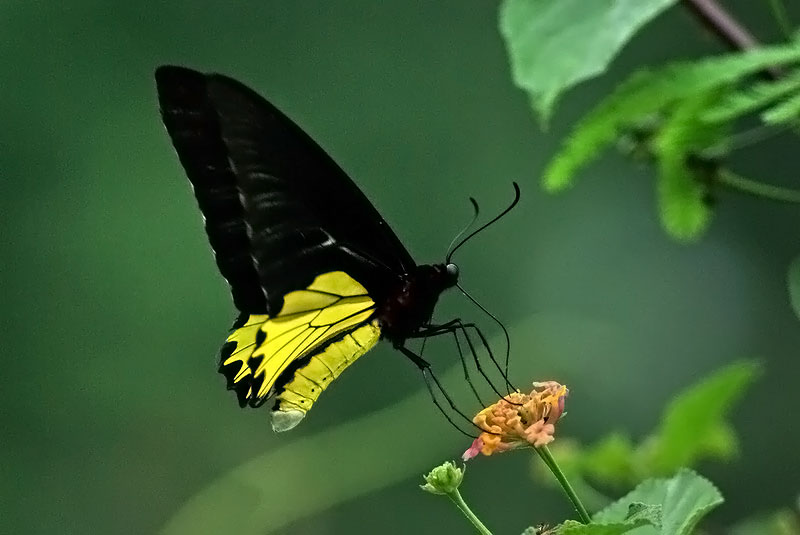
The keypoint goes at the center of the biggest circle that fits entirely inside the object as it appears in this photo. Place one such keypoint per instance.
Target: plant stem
(722, 23)
(727, 28)
(781, 17)
(547, 457)
(760, 133)
(456, 498)
(759, 189)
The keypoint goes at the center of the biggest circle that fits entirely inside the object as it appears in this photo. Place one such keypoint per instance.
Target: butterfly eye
(452, 271)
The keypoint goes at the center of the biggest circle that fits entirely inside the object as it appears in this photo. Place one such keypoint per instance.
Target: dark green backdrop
(113, 415)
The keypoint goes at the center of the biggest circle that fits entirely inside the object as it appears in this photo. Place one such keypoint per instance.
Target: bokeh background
(114, 419)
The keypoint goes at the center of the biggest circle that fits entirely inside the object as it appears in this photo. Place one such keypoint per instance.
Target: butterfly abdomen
(295, 397)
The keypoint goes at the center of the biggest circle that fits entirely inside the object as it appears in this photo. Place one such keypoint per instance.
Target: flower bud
(444, 479)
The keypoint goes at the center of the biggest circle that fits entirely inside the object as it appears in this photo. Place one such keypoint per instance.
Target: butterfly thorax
(410, 305)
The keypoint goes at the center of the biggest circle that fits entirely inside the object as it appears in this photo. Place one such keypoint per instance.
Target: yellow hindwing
(308, 381)
(318, 333)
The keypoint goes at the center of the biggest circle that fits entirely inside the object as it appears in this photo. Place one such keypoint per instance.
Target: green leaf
(684, 500)
(683, 209)
(740, 102)
(556, 44)
(784, 112)
(649, 92)
(653, 514)
(693, 425)
(793, 279)
(610, 460)
(639, 515)
(571, 527)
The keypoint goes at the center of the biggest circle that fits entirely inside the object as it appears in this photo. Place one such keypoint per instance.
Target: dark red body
(410, 306)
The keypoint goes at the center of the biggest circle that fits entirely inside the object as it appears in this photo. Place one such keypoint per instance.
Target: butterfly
(316, 273)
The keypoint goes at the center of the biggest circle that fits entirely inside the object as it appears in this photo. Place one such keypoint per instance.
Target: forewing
(302, 215)
(194, 127)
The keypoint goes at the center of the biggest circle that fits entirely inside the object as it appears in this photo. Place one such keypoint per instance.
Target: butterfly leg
(461, 358)
(428, 375)
(456, 325)
(463, 327)
(450, 328)
(467, 377)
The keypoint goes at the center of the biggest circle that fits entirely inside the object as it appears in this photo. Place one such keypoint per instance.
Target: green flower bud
(443, 479)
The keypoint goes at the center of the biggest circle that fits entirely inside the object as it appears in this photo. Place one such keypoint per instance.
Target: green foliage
(642, 511)
(794, 285)
(784, 112)
(693, 427)
(572, 527)
(682, 187)
(659, 92)
(783, 522)
(694, 424)
(678, 113)
(684, 500)
(740, 102)
(639, 515)
(655, 507)
(610, 459)
(556, 45)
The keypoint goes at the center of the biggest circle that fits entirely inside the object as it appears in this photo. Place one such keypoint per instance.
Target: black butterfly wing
(194, 127)
(278, 210)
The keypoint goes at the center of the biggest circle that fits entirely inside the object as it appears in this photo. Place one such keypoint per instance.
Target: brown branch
(729, 30)
(722, 23)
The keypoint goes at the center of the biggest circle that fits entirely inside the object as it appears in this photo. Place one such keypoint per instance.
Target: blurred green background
(113, 415)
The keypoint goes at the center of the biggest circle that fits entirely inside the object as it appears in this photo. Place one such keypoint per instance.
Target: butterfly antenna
(475, 212)
(488, 224)
(505, 333)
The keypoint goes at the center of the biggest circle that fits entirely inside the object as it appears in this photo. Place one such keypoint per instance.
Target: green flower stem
(547, 457)
(759, 189)
(456, 498)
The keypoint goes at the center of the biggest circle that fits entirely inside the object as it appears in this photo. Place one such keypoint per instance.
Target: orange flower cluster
(519, 420)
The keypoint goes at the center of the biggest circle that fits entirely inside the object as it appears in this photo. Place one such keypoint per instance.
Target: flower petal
(473, 450)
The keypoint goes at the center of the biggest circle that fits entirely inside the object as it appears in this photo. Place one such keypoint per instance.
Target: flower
(519, 420)
(444, 479)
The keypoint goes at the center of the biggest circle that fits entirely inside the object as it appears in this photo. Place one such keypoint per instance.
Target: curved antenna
(461, 232)
(505, 333)
(486, 225)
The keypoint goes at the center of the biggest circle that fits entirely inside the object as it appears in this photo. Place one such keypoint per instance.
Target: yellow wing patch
(327, 325)
(308, 381)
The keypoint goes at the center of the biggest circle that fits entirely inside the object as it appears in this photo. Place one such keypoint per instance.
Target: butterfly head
(433, 279)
